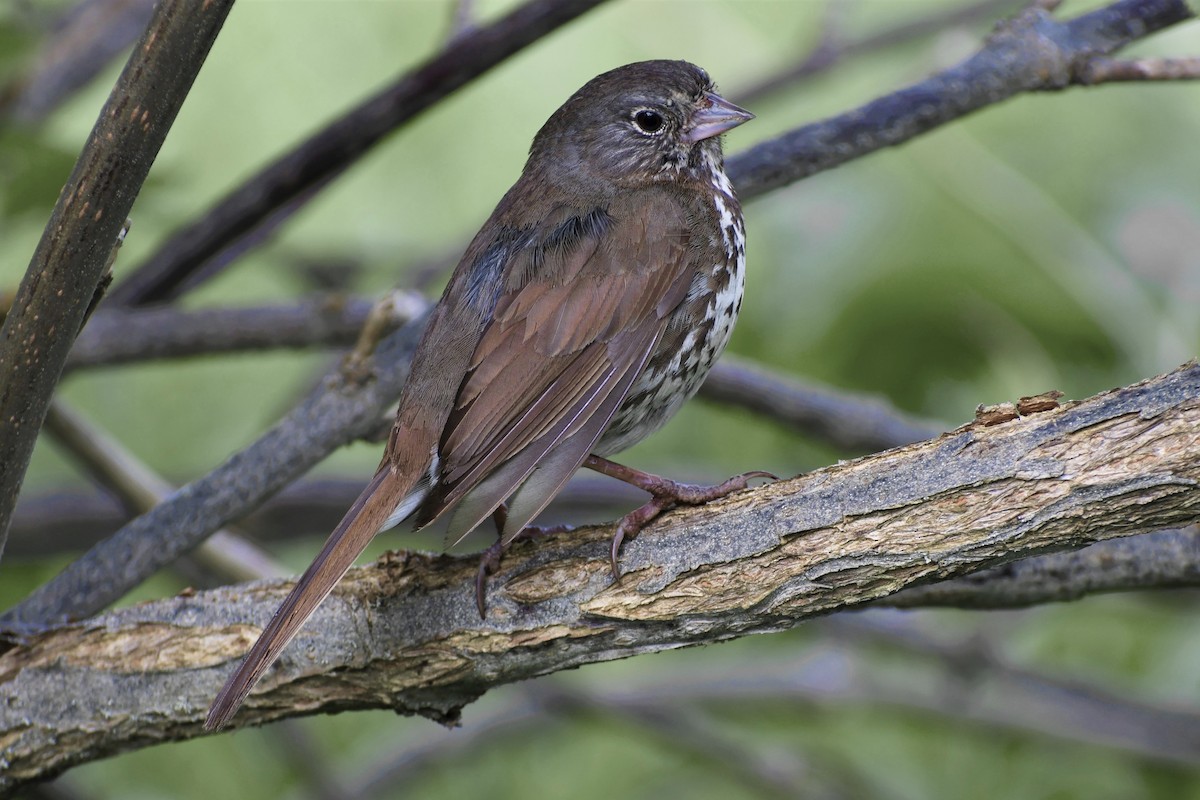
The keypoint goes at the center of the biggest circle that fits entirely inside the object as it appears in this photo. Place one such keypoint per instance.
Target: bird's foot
(664, 494)
(489, 562)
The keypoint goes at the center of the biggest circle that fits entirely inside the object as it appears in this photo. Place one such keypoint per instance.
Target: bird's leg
(664, 494)
(489, 563)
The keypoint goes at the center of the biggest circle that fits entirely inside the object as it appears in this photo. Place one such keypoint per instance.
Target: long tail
(365, 518)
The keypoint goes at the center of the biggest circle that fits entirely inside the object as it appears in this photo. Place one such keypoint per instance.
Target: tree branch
(1161, 560)
(332, 415)
(283, 186)
(1023, 54)
(852, 422)
(67, 266)
(1031, 52)
(403, 633)
(831, 50)
(118, 336)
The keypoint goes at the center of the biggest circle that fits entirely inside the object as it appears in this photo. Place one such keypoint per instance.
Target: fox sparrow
(581, 317)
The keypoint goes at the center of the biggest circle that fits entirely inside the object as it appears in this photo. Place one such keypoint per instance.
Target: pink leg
(664, 494)
(490, 562)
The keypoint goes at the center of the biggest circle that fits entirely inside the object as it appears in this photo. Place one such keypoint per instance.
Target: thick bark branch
(403, 633)
(62, 279)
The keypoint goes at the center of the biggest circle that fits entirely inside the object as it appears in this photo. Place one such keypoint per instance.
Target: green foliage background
(1050, 242)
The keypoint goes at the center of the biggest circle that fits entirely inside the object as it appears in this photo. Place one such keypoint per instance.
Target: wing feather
(565, 343)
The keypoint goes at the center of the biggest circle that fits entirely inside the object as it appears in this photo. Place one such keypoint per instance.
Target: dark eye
(648, 121)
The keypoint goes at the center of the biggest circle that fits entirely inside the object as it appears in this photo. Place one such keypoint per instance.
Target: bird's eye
(648, 121)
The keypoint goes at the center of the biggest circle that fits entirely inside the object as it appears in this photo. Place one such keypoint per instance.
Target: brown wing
(559, 355)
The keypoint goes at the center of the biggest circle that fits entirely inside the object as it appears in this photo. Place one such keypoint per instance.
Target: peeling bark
(403, 633)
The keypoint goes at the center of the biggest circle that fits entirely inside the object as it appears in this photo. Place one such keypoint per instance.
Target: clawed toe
(664, 494)
(489, 562)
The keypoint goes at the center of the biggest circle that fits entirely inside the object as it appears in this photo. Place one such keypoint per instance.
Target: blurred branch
(130, 335)
(682, 729)
(279, 189)
(829, 680)
(830, 50)
(1109, 70)
(60, 522)
(980, 686)
(1167, 559)
(1031, 52)
(404, 634)
(116, 336)
(140, 489)
(87, 38)
(334, 414)
(83, 229)
(848, 421)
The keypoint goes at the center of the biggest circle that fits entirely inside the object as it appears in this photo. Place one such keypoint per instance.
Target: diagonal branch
(1031, 52)
(284, 185)
(403, 633)
(83, 229)
(333, 414)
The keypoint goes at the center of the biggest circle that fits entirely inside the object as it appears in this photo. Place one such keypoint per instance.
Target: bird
(586, 311)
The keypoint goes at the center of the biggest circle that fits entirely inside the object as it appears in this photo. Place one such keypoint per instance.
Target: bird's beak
(714, 117)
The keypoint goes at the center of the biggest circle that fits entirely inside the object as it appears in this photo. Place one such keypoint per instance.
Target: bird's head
(643, 123)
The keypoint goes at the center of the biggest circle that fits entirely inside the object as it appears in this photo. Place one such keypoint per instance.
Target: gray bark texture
(403, 633)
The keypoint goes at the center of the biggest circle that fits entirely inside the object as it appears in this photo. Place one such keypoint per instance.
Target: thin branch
(830, 51)
(692, 734)
(284, 185)
(1109, 70)
(829, 679)
(853, 423)
(1162, 560)
(332, 415)
(1032, 52)
(404, 634)
(87, 38)
(140, 489)
(130, 335)
(983, 686)
(848, 421)
(67, 266)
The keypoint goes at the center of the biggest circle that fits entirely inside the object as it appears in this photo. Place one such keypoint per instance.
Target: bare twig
(831, 51)
(70, 259)
(1032, 52)
(88, 37)
(845, 420)
(984, 687)
(1109, 70)
(1161, 560)
(829, 679)
(129, 335)
(140, 489)
(292, 179)
(691, 733)
(855, 423)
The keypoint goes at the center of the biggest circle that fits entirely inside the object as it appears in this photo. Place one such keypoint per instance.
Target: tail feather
(370, 513)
